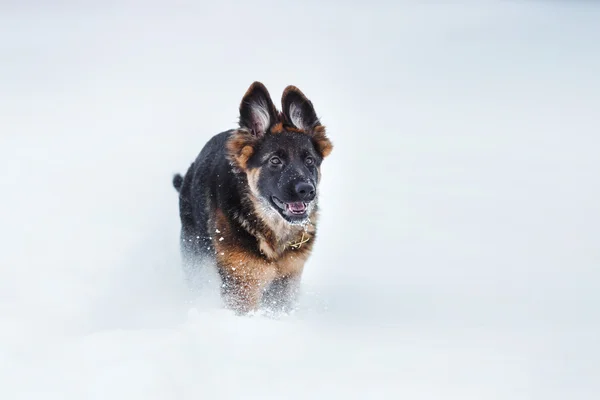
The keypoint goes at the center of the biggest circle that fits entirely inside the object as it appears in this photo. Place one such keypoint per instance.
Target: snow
(458, 250)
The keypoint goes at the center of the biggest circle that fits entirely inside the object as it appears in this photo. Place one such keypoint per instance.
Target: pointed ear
(257, 111)
(298, 110)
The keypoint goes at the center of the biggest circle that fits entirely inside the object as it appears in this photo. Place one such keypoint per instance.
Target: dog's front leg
(242, 291)
(282, 294)
(242, 295)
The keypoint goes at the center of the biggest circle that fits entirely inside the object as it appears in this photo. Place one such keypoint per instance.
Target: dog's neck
(273, 233)
(285, 237)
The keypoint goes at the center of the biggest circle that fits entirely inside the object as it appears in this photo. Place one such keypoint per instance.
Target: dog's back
(198, 191)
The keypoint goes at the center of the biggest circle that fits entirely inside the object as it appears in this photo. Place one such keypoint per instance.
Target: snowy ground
(459, 252)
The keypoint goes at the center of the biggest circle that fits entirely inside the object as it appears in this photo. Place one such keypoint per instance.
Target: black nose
(305, 191)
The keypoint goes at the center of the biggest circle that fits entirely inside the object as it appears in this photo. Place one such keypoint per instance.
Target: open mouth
(297, 208)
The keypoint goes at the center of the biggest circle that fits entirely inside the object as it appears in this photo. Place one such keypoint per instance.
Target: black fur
(209, 183)
(177, 182)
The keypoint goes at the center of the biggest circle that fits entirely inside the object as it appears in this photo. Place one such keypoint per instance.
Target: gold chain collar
(296, 245)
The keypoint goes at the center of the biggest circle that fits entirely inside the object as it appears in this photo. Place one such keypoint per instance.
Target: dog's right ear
(257, 111)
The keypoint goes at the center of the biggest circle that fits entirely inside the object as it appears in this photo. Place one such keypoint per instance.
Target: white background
(458, 255)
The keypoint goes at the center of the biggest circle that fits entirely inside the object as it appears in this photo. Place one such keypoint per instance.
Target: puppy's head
(280, 152)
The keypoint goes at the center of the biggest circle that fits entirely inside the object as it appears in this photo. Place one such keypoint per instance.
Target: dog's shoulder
(215, 147)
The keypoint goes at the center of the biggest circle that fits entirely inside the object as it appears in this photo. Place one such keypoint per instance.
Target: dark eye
(309, 161)
(275, 160)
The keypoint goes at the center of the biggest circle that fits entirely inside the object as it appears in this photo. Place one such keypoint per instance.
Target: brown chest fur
(274, 256)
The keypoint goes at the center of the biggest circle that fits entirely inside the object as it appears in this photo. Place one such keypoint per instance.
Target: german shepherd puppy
(248, 203)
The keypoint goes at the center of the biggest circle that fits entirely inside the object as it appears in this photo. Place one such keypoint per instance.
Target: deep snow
(459, 242)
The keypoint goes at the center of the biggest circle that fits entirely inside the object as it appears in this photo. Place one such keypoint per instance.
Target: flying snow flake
(221, 239)
(218, 231)
(222, 254)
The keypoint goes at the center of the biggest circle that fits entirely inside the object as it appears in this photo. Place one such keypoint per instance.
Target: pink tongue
(297, 207)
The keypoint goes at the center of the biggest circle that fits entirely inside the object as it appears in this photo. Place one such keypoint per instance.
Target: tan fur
(323, 144)
(240, 148)
(277, 128)
(292, 262)
(250, 273)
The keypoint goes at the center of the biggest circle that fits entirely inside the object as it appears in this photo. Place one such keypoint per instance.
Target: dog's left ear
(298, 110)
